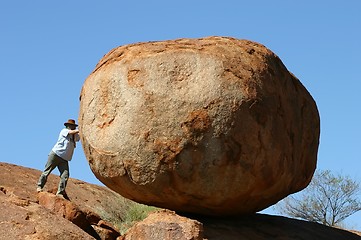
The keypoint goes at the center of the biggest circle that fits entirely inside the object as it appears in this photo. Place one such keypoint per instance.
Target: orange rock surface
(216, 126)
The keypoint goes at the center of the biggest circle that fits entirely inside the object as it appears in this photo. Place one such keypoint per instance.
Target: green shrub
(126, 214)
(135, 212)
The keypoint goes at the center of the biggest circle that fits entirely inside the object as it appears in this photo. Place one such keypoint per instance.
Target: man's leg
(63, 167)
(49, 166)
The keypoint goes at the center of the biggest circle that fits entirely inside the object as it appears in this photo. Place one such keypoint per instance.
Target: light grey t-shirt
(65, 145)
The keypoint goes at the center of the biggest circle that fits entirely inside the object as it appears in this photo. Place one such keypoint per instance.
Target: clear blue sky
(48, 48)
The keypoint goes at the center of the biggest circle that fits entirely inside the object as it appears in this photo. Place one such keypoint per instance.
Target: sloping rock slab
(27, 220)
(25, 214)
(252, 227)
(265, 227)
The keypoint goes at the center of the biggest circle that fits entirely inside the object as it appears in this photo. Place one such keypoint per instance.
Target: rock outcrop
(216, 126)
(168, 225)
(88, 221)
(91, 212)
(31, 216)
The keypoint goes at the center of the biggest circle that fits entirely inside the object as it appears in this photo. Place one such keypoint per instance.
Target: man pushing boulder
(59, 156)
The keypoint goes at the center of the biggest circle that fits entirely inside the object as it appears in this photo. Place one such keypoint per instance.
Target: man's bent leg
(49, 166)
(63, 167)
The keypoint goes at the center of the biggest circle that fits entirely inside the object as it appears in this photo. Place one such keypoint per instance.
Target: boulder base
(254, 226)
(165, 225)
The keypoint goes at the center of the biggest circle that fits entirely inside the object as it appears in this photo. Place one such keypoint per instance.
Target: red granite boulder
(215, 126)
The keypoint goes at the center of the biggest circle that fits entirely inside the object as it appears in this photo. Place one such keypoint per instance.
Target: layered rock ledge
(91, 212)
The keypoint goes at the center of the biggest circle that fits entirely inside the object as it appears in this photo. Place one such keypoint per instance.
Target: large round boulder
(215, 126)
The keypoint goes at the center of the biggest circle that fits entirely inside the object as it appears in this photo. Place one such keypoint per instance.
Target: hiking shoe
(39, 189)
(60, 195)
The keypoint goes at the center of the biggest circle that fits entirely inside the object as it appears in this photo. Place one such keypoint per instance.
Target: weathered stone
(34, 222)
(165, 225)
(216, 126)
(22, 217)
(67, 210)
(91, 224)
(253, 227)
(92, 212)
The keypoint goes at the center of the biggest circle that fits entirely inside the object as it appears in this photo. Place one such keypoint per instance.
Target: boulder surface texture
(215, 126)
